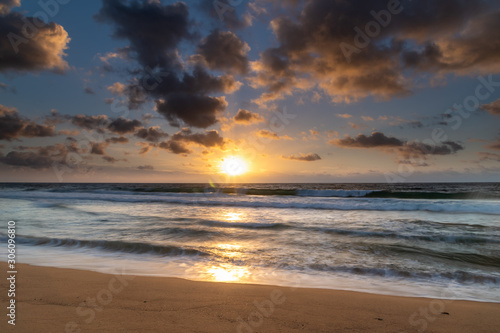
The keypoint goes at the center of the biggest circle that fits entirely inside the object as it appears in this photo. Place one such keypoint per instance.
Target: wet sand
(67, 300)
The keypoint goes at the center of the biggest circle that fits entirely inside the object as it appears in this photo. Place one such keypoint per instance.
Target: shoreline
(68, 300)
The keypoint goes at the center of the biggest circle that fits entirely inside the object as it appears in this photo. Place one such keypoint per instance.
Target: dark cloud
(495, 145)
(90, 122)
(38, 157)
(123, 126)
(152, 134)
(110, 159)
(97, 148)
(174, 147)
(224, 51)
(303, 157)
(29, 44)
(155, 32)
(327, 47)
(376, 139)
(120, 139)
(207, 139)
(493, 107)
(33, 130)
(405, 149)
(223, 13)
(418, 149)
(27, 159)
(145, 167)
(247, 117)
(194, 110)
(12, 126)
(89, 91)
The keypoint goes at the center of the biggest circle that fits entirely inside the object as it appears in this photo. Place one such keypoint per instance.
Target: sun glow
(233, 166)
(227, 273)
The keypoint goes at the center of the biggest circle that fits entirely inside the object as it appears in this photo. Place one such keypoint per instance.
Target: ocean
(422, 240)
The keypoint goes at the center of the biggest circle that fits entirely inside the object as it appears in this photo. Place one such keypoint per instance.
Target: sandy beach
(67, 300)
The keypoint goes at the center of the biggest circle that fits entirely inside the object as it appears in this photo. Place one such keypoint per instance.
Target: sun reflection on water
(227, 273)
(233, 216)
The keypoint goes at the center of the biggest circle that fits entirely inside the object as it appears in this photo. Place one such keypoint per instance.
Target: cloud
(40, 157)
(7, 5)
(124, 126)
(194, 110)
(327, 46)
(207, 139)
(489, 157)
(181, 94)
(345, 116)
(272, 135)
(152, 134)
(495, 145)
(174, 147)
(376, 139)
(12, 126)
(493, 107)
(90, 122)
(418, 149)
(110, 159)
(246, 117)
(117, 88)
(89, 91)
(120, 139)
(26, 159)
(405, 149)
(224, 51)
(303, 157)
(145, 167)
(97, 148)
(415, 124)
(28, 44)
(223, 12)
(153, 30)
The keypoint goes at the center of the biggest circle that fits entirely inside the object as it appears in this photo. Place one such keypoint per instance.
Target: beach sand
(66, 300)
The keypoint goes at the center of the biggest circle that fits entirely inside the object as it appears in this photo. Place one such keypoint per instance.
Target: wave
(419, 252)
(112, 246)
(343, 204)
(338, 193)
(453, 191)
(450, 239)
(432, 195)
(333, 193)
(221, 224)
(457, 276)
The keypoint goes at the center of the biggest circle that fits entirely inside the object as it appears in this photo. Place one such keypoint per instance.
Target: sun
(233, 166)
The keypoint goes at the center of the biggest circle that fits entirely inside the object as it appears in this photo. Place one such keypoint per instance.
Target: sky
(275, 91)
